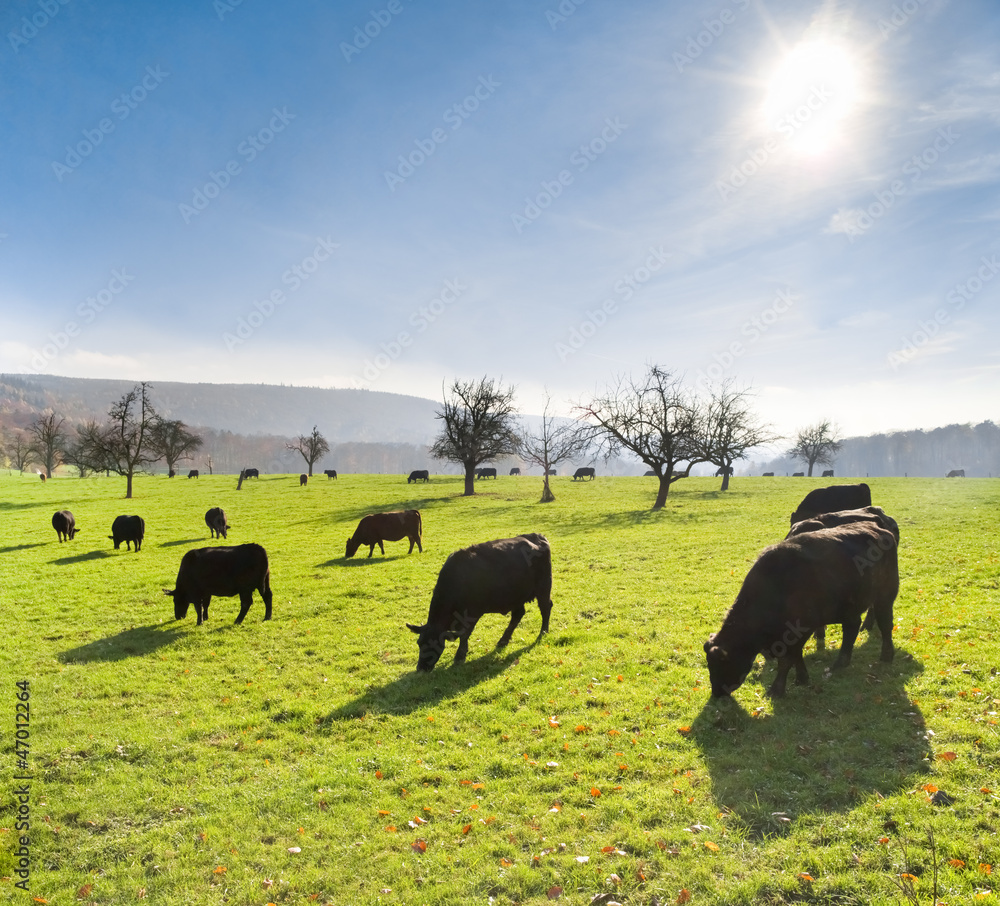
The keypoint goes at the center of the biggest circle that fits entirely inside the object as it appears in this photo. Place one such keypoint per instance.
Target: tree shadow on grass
(22, 547)
(825, 747)
(383, 506)
(184, 541)
(82, 558)
(134, 642)
(417, 690)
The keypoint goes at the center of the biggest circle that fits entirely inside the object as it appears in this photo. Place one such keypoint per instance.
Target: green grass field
(303, 761)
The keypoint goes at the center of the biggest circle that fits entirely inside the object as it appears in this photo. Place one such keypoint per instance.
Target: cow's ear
(416, 629)
(168, 592)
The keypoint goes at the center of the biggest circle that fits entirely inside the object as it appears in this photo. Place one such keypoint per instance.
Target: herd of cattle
(837, 563)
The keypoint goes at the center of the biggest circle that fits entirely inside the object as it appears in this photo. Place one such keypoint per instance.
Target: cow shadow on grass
(184, 541)
(134, 642)
(418, 690)
(353, 517)
(21, 547)
(361, 560)
(822, 748)
(82, 558)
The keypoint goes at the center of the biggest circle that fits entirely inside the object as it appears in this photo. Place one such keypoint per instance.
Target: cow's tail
(420, 525)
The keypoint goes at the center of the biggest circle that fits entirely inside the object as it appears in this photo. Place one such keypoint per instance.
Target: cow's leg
(545, 606)
(201, 608)
(371, 550)
(516, 613)
(246, 599)
(381, 547)
(851, 628)
(883, 616)
(820, 634)
(265, 593)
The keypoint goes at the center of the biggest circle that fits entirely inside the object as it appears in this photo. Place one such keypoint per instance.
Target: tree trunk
(725, 479)
(128, 486)
(811, 470)
(470, 480)
(661, 494)
(547, 495)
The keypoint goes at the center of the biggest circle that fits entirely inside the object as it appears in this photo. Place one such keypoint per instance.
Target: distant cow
(224, 572)
(130, 529)
(378, 527)
(171, 473)
(832, 575)
(647, 473)
(724, 470)
(193, 473)
(492, 577)
(831, 499)
(585, 472)
(330, 473)
(41, 475)
(215, 519)
(303, 479)
(827, 473)
(65, 525)
(767, 475)
(251, 473)
(798, 474)
(487, 472)
(515, 471)
(551, 472)
(419, 475)
(954, 473)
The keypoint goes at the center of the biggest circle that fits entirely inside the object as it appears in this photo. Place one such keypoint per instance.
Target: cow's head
(352, 546)
(72, 533)
(726, 670)
(117, 541)
(430, 646)
(180, 604)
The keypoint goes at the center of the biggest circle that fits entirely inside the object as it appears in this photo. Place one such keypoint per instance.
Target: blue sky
(802, 197)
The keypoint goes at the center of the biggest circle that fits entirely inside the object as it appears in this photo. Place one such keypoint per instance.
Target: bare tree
(730, 429)
(478, 426)
(48, 440)
(655, 418)
(84, 451)
(123, 445)
(172, 442)
(553, 442)
(817, 443)
(19, 450)
(310, 446)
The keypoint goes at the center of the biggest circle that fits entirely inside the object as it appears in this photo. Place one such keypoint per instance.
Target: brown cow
(378, 527)
(832, 575)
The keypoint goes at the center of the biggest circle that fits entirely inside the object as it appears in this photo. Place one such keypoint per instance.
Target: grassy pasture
(302, 760)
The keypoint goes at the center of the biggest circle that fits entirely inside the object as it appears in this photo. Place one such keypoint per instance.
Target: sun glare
(811, 94)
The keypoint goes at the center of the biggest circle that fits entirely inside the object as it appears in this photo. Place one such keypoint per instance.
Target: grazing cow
(827, 473)
(330, 473)
(515, 471)
(585, 472)
(767, 475)
(193, 473)
(832, 575)
(65, 525)
(419, 475)
(487, 472)
(647, 473)
(492, 577)
(41, 475)
(251, 473)
(378, 527)
(798, 474)
(954, 473)
(215, 519)
(171, 473)
(303, 479)
(724, 470)
(224, 572)
(130, 529)
(831, 499)
(551, 472)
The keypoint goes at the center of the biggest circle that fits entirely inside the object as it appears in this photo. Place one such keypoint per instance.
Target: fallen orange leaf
(553, 722)
(712, 846)
(956, 863)
(684, 896)
(391, 828)
(683, 730)
(84, 891)
(947, 756)
(506, 863)
(986, 868)
(419, 846)
(906, 876)
(467, 828)
(221, 870)
(805, 876)
(553, 893)
(378, 775)
(581, 728)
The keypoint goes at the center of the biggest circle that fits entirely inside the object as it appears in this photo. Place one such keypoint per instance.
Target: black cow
(585, 472)
(551, 472)
(492, 577)
(419, 475)
(215, 519)
(251, 473)
(767, 475)
(330, 473)
(831, 499)
(303, 480)
(724, 470)
(130, 529)
(832, 575)
(171, 473)
(647, 473)
(798, 474)
(378, 527)
(956, 473)
(515, 471)
(224, 572)
(65, 525)
(193, 473)
(827, 473)
(486, 472)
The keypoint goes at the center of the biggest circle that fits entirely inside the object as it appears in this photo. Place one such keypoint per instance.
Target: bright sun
(811, 94)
